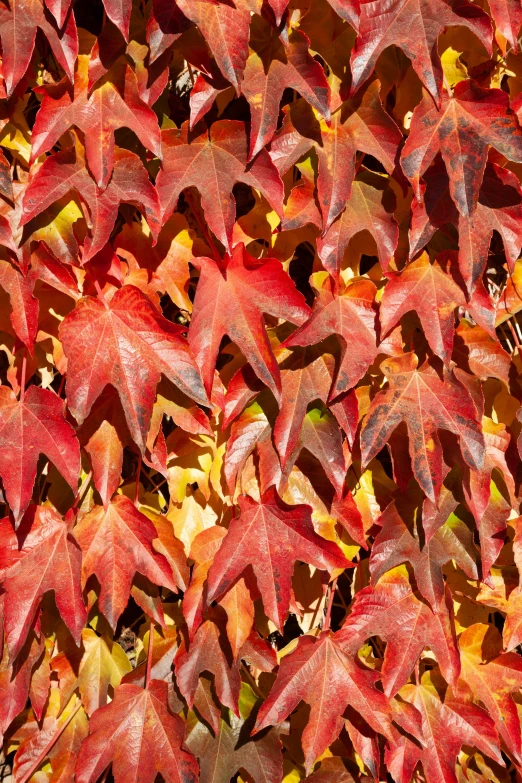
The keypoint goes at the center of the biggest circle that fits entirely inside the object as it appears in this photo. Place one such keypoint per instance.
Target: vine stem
(333, 586)
(22, 378)
(149, 654)
(45, 752)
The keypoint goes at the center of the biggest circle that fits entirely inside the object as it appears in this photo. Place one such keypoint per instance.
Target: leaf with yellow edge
(99, 668)
(191, 516)
(175, 248)
(492, 677)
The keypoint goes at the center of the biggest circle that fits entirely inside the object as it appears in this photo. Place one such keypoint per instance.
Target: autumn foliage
(260, 391)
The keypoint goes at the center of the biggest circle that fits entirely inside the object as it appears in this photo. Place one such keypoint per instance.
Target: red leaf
(270, 536)
(49, 559)
(321, 674)
(462, 130)
(113, 104)
(392, 611)
(117, 544)
(108, 338)
(67, 171)
(213, 163)
(230, 299)
(140, 737)
(19, 23)
(425, 403)
(414, 27)
(28, 428)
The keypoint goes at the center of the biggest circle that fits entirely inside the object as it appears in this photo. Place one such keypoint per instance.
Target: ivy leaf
(139, 736)
(117, 544)
(113, 103)
(273, 67)
(270, 536)
(30, 427)
(209, 651)
(464, 127)
(425, 403)
(414, 27)
(232, 749)
(67, 171)
(350, 315)
(359, 124)
(19, 22)
(321, 674)
(493, 676)
(213, 163)
(230, 299)
(463, 724)
(392, 611)
(122, 329)
(48, 559)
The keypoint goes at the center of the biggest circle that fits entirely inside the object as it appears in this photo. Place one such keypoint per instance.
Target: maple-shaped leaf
(67, 171)
(231, 298)
(369, 208)
(360, 124)
(414, 26)
(29, 427)
(117, 544)
(396, 544)
(464, 127)
(499, 208)
(232, 749)
(273, 67)
(225, 28)
(492, 677)
(270, 536)
(391, 610)
(430, 290)
(350, 315)
(446, 726)
(48, 558)
(425, 403)
(113, 103)
(139, 736)
(103, 340)
(19, 22)
(306, 376)
(213, 162)
(209, 651)
(321, 674)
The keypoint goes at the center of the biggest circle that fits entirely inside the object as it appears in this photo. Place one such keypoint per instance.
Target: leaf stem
(45, 752)
(137, 489)
(149, 654)
(100, 293)
(196, 211)
(83, 489)
(22, 378)
(333, 586)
